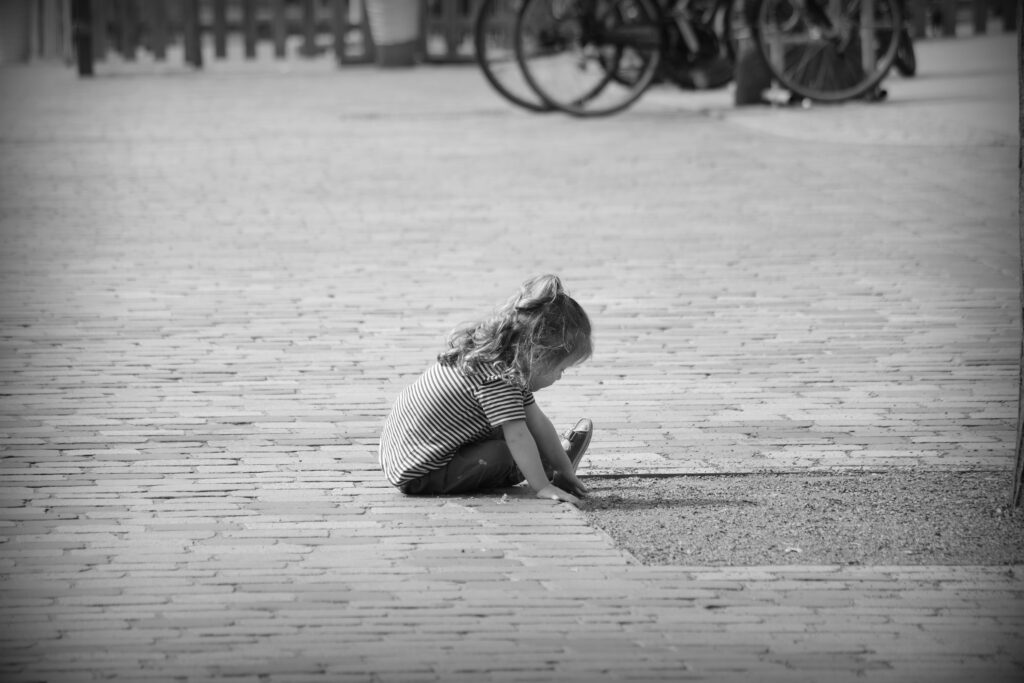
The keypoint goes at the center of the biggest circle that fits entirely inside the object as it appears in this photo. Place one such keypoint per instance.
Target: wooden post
(220, 29)
(918, 18)
(144, 21)
(343, 25)
(750, 71)
(193, 38)
(128, 36)
(308, 28)
(67, 37)
(279, 28)
(980, 8)
(33, 32)
(81, 28)
(339, 24)
(51, 14)
(948, 17)
(158, 29)
(369, 46)
(433, 18)
(249, 27)
(1011, 15)
(99, 29)
(1018, 475)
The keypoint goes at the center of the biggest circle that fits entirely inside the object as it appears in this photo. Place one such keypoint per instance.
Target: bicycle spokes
(589, 57)
(828, 50)
(494, 42)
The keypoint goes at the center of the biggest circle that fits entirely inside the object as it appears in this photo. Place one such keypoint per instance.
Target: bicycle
(827, 50)
(597, 57)
(494, 43)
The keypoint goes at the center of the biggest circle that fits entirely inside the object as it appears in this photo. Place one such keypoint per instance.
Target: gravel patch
(891, 518)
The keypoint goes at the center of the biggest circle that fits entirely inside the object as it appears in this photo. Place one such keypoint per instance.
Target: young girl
(471, 422)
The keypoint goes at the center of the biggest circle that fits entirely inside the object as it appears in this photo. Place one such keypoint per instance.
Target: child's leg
(482, 465)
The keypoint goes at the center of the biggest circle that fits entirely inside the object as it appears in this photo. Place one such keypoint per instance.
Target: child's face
(546, 376)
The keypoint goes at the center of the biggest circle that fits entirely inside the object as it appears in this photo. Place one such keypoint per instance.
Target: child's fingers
(572, 484)
(577, 491)
(563, 496)
(576, 486)
(555, 493)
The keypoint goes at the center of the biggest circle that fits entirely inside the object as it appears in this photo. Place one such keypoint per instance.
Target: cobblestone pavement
(214, 284)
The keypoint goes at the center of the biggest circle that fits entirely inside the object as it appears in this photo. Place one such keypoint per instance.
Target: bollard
(220, 29)
(128, 30)
(192, 33)
(157, 19)
(918, 10)
(279, 28)
(395, 27)
(344, 23)
(249, 28)
(81, 28)
(751, 74)
(948, 9)
(308, 48)
(1010, 10)
(979, 15)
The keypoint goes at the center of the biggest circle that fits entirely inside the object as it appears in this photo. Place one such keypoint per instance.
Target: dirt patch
(893, 518)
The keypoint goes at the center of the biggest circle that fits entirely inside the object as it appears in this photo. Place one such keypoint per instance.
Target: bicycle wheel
(724, 20)
(828, 50)
(906, 59)
(589, 57)
(494, 41)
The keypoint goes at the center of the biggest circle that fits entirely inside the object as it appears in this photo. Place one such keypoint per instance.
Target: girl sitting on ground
(470, 422)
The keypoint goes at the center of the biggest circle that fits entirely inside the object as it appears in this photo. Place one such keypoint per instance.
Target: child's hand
(570, 483)
(554, 493)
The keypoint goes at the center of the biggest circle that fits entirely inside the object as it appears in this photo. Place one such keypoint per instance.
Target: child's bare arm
(524, 451)
(550, 445)
(548, 441)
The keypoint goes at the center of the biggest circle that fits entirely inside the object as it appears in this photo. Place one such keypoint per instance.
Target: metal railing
(87, 31)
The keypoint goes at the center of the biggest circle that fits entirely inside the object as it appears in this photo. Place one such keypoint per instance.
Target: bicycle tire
(729, 18)
(494, 46)
(906, 59)
(589, 57)
(822, 54)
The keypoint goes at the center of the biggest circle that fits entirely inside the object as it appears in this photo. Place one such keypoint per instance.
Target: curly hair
(537, 328)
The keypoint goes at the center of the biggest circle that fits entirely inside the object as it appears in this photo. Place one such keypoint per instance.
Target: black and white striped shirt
(442, 411)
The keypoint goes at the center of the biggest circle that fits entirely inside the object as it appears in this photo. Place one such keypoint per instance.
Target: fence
(946, 14)
(44, 29)
(126, 26)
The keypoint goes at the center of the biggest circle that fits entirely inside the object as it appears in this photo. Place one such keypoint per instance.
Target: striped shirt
(442, 411)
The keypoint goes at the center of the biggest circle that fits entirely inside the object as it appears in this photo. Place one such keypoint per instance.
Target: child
(470, 421)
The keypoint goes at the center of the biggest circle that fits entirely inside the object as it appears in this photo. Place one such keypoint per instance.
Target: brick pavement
(214, 284)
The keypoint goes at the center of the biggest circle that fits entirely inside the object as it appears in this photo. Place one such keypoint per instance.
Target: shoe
(578, 438)
(876, 94)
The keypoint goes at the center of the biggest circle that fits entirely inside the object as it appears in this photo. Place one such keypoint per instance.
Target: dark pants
(487, 465)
